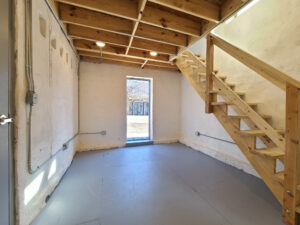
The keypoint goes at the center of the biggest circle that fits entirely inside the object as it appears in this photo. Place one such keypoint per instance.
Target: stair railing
(291, 196)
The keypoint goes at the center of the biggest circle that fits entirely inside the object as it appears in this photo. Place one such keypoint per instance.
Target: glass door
(138, 109)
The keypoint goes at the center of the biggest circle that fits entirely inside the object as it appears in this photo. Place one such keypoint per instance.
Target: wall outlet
(197, 133)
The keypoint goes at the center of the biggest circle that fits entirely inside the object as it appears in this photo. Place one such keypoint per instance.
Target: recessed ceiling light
(100, 44)
(152, 53)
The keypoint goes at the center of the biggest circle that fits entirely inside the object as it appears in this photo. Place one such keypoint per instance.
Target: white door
(5, 130)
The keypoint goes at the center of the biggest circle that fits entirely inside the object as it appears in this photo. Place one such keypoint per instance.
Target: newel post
(291, 197)
(209, 71)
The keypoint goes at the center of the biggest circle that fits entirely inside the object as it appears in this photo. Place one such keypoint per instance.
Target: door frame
(12, 63)
(150, 80)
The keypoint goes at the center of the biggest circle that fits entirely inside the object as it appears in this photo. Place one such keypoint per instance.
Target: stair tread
(246, 117)
(271, 152)
(297, 209)
(223, 77)
(259, 132)
(279, 177)
(230, 84)
(218, 92)
(230, 103)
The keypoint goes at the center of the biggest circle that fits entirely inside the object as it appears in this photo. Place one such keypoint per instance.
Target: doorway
(139, 109)
(6, 163)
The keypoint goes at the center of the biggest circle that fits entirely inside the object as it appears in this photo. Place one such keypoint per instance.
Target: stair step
(270, 152)
(297, 209)
(259, 132)
(218, 92)
(216, 71)
(231, 85)
(202, 59)
(222, 77)
(197, 55)
(189, 61)
(221, 103)
(230, 103)
(246, 117)
(279, 177)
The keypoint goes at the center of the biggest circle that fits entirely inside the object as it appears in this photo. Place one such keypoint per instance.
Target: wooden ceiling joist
(109, 61)
(199, 8)
(80, 32)
(160, 68)
(111, 57)
(153, 46)
(151, 15)
(80, 16)
(120, 62)
(132, 29)
(141, 7)
(86, 45)
(83, 17)
(158, 34)
(97, 35)
(163, 19)
(121, 8)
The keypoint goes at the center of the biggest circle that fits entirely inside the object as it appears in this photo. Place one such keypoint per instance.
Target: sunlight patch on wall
(32, 189)
(52, 169)
(244, 9)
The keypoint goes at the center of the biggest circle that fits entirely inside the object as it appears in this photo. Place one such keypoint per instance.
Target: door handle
(5, 120)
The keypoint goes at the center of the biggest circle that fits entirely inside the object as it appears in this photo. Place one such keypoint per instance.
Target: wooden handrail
(270, 73)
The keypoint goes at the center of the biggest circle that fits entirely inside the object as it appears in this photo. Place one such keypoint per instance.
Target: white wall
(270, 31)
(55, 117)
(103, 104)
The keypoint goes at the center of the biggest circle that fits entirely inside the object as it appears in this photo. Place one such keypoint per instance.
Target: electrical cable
(31, 85)
(219, 139)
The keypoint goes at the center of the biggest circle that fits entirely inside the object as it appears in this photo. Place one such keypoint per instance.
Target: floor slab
(158, 185)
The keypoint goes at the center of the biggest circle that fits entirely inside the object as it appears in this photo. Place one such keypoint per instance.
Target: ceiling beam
(199, 8)
(81, 32)
(117, 50)
(141, 7)
(153, 46)
(162, 35)
(229, 8)
(125, 8)
(171, 21)
(76, 15)
(154, 67)
(76, 31)
(79, 16)
(109, 61)
(112, 57)
(151, 15)
(117, 62)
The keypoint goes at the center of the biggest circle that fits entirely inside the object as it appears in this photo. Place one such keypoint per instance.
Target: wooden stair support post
(209, 70)
(291, 197)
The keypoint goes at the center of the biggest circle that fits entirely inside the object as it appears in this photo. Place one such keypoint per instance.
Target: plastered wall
(270, 31)
(55, 117)
(103, 104)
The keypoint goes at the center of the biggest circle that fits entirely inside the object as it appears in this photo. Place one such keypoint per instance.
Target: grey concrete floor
(158, 185)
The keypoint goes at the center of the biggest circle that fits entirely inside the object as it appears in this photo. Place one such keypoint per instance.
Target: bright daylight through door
(138, 109)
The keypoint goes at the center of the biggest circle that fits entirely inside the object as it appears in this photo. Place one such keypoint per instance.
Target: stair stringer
(263, 165)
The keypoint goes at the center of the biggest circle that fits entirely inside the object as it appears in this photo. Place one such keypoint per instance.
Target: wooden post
(291, 197)
(209, 71)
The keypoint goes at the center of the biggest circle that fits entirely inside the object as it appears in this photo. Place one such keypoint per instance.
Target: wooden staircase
(280, 147)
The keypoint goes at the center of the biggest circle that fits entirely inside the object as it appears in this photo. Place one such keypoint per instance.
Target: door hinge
(5, 120)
